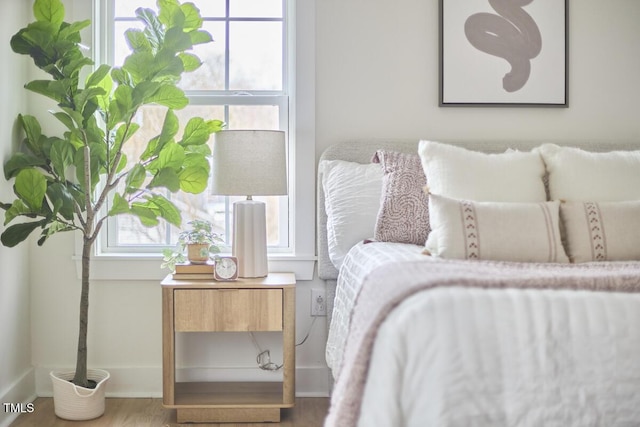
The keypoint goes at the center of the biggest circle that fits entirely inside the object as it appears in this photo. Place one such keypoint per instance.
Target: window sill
(129, 267)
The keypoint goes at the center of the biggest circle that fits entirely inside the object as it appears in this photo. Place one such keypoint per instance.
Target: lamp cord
(263, 359)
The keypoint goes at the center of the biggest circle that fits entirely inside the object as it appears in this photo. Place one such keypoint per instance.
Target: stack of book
(190, 271)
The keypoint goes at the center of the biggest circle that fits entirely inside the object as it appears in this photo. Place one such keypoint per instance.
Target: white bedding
(359, 262)
(460, 356)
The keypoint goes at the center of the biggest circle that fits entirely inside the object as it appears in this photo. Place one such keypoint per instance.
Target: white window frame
(300, 75)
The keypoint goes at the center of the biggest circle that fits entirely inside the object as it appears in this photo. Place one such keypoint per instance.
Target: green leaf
(98, 76)
(65, 119)
(164, 209)
(192, 18)
(138, 64)
(153, 27)
(135, 178)
(193, 180)
(177, 40)
(62, 154)
(106, 84)
(197, 160)
(190, 62)
(170, 127)
(71, 31)
(51, 89)
(16, 209)
(62, 200)
(170, 96)
(171, 156)
(20, 161)
(75, 116)
(145, 214)
(166, 178)
(119, 205)
(31, 187)
(200, 37)
(19, 232)
(123, 97)
(196, 132)
(19, 44)
(144, 91)
(32, 128)
(49, 11)
(137, 40)
(167, 67)
(170, 14)
(87, 95)
(121, 76)
(216, 125)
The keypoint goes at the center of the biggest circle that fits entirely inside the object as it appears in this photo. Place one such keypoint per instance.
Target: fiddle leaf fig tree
(76, 180)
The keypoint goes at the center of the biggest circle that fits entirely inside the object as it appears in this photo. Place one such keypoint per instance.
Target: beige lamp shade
(249, 163)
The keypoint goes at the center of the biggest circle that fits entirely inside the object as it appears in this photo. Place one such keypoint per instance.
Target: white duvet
(459, 356)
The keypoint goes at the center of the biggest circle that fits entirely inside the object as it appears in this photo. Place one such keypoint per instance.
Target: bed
(423, 340)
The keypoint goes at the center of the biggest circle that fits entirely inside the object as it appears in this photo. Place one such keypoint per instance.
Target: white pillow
(459, 173)
(602, 231)
(499, 231)
(352, 199)
(578, 175)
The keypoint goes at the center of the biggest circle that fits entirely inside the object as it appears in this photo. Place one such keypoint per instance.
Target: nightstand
(263, 304)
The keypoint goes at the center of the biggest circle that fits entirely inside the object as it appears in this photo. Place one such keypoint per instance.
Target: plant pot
(198, 253)
(76, 403)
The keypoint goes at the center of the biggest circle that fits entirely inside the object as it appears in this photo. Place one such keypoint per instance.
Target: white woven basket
(72, 402)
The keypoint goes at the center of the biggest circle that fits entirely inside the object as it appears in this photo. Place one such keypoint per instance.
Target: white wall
(16, 374)
(377, 76)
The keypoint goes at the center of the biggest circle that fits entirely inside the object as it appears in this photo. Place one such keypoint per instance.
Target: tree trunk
(80, 377)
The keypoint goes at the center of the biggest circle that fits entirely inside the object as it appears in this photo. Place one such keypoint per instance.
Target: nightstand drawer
(226, 310)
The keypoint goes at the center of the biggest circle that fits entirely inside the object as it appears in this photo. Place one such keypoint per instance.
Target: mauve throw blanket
(390, 284)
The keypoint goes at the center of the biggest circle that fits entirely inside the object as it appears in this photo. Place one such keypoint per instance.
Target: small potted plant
(200, 242)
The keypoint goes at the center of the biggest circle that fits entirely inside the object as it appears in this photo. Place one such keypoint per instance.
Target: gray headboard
(362, 151)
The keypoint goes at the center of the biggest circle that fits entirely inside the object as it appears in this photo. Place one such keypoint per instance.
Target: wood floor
(308, 412)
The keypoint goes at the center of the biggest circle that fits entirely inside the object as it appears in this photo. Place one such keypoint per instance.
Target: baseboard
(22, 391)
(147, 381)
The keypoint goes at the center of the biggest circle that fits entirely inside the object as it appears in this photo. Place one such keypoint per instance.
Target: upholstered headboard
(361, 151)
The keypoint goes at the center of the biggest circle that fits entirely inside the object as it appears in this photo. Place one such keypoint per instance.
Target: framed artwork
(503, 53)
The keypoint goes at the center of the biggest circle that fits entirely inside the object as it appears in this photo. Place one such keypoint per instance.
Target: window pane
(124, 8)
(210, 75)
(208, 8)
(255, 59)
(255, 8)
(254, 117)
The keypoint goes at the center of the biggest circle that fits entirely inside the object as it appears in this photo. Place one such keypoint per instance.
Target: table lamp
(250, 163)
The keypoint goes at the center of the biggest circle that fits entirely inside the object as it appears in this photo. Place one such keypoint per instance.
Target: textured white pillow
(455, 172)
(578, 175)
(352, 199)
(499, 231)
(602, 231)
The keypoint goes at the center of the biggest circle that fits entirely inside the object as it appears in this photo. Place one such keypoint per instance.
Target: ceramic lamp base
(250, 238)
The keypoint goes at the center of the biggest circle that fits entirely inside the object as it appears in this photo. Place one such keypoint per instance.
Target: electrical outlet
(318, 302)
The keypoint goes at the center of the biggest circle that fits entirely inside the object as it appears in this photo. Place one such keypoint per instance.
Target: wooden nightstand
(264, 304)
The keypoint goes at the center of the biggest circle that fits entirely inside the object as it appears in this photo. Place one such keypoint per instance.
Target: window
(244, 81)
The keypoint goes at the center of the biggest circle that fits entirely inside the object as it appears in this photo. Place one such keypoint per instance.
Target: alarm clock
(225, 268)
